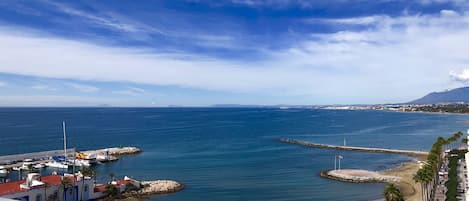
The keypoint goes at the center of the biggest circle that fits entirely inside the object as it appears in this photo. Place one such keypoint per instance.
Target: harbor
(76, 176)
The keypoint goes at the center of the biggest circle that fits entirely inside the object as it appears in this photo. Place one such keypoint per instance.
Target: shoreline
(404, 172)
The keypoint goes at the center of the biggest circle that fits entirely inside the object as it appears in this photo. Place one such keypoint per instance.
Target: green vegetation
(450, 108)
(391, 193)
(452, 182)
(427, 175)
(112, 191)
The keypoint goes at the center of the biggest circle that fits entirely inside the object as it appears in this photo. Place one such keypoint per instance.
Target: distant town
(437, 108)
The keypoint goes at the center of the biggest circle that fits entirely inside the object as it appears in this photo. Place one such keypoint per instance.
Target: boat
(55, 164)
(39, 166)
(3, 171)
(60, 161)
(27, 164)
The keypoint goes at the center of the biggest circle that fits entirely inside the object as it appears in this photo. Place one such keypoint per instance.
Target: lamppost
(340, 157)
(335, 161)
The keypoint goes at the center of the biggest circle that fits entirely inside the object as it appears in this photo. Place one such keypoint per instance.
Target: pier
(352, 148)
(16, 160)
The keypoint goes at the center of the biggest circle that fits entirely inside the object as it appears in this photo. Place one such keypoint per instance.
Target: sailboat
(60, 161)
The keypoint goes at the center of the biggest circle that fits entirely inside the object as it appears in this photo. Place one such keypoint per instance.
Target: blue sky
(197, 53)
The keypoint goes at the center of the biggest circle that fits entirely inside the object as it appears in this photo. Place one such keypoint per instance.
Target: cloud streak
(83, 87)
(394, 55)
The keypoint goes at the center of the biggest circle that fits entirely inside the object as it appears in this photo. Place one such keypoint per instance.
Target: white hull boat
(39, 166)
(54, 164)
(3, 172)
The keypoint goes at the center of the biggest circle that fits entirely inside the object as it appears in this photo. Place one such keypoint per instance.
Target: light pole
(340, 157)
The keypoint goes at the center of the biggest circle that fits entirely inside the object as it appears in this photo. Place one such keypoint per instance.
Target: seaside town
(77, 182)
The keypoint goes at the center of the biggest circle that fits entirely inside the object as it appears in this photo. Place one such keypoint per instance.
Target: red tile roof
(122, 182)
(11, 187)
(14, 186)
(100, 188)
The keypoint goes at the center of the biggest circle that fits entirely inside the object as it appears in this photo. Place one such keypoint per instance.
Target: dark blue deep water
(231, 154)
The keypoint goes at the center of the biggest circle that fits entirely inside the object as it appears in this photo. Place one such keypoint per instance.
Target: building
(59, 188)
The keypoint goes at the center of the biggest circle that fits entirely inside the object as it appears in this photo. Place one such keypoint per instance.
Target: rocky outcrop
(160, 187)
(359, 176)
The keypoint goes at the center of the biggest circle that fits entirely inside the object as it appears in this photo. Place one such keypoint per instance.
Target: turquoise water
(231, 154)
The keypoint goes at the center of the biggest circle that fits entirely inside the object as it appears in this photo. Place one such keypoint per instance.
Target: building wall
(38, 192)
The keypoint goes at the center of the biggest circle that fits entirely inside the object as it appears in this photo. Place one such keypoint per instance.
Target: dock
(16, 160)
(353, 148)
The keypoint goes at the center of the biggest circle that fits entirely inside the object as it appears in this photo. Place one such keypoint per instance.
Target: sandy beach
(400, 176)
(406, 171)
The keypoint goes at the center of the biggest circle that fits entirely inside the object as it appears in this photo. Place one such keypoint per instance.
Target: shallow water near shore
(232, 154)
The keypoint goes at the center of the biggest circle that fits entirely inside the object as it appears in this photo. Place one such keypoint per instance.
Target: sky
(205, 52)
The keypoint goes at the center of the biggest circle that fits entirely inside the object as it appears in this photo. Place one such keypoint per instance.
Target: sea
(232, 153)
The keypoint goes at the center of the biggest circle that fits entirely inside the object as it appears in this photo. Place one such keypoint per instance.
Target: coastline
(401, 176)
(406, 171)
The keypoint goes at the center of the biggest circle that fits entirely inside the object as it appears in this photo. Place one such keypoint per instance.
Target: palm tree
(111, 191)
(46, 185)
(85, 171)
(111, 175)
(419, 178)
(65, 183)
(391, 193)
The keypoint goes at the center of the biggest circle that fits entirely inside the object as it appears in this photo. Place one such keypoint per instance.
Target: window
(38, 197)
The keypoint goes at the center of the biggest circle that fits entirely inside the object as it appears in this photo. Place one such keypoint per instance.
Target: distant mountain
(451, 96)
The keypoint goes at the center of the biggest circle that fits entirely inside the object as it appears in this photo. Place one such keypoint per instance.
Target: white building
(54, 187)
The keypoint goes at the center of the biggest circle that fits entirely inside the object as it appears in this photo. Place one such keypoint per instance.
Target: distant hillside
(452, 96)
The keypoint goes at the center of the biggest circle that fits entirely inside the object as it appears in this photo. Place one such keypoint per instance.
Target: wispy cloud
(105, 21)
(2, 84)
(83, 87)
(43, 87)
(393, 56)
(130, 91)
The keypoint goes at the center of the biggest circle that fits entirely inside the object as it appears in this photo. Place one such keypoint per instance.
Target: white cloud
(463, 76)
(83, 87)
(2, 84)
(43, 87)
(57, 101)
(130, 91)
(397, 60)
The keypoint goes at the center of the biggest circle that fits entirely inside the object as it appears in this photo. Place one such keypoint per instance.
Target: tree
(65, 183)
(46, 185)
(86, 172)
(111, 190)
(111, 175)
(391, 193)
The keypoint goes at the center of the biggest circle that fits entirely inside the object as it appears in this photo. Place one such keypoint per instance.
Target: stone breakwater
(117, 150)
(160, 187)
(351, 148)
(359, 176)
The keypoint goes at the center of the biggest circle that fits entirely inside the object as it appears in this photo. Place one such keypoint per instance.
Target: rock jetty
(359, 176)
(160, 187)
(352, 148)
(124, 150)
(116, 151)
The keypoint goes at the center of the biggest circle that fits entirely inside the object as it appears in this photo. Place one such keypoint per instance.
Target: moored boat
(3, 171)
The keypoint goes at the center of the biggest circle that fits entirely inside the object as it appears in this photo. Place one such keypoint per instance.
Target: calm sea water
(231, 154)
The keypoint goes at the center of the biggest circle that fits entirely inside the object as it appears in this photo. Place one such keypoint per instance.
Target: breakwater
(352, 148)
(359, 176)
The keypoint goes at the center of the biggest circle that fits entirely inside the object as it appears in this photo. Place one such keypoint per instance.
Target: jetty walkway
(352, 148)
(16, 160)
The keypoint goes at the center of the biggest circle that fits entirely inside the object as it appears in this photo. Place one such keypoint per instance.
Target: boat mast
(65, 140)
